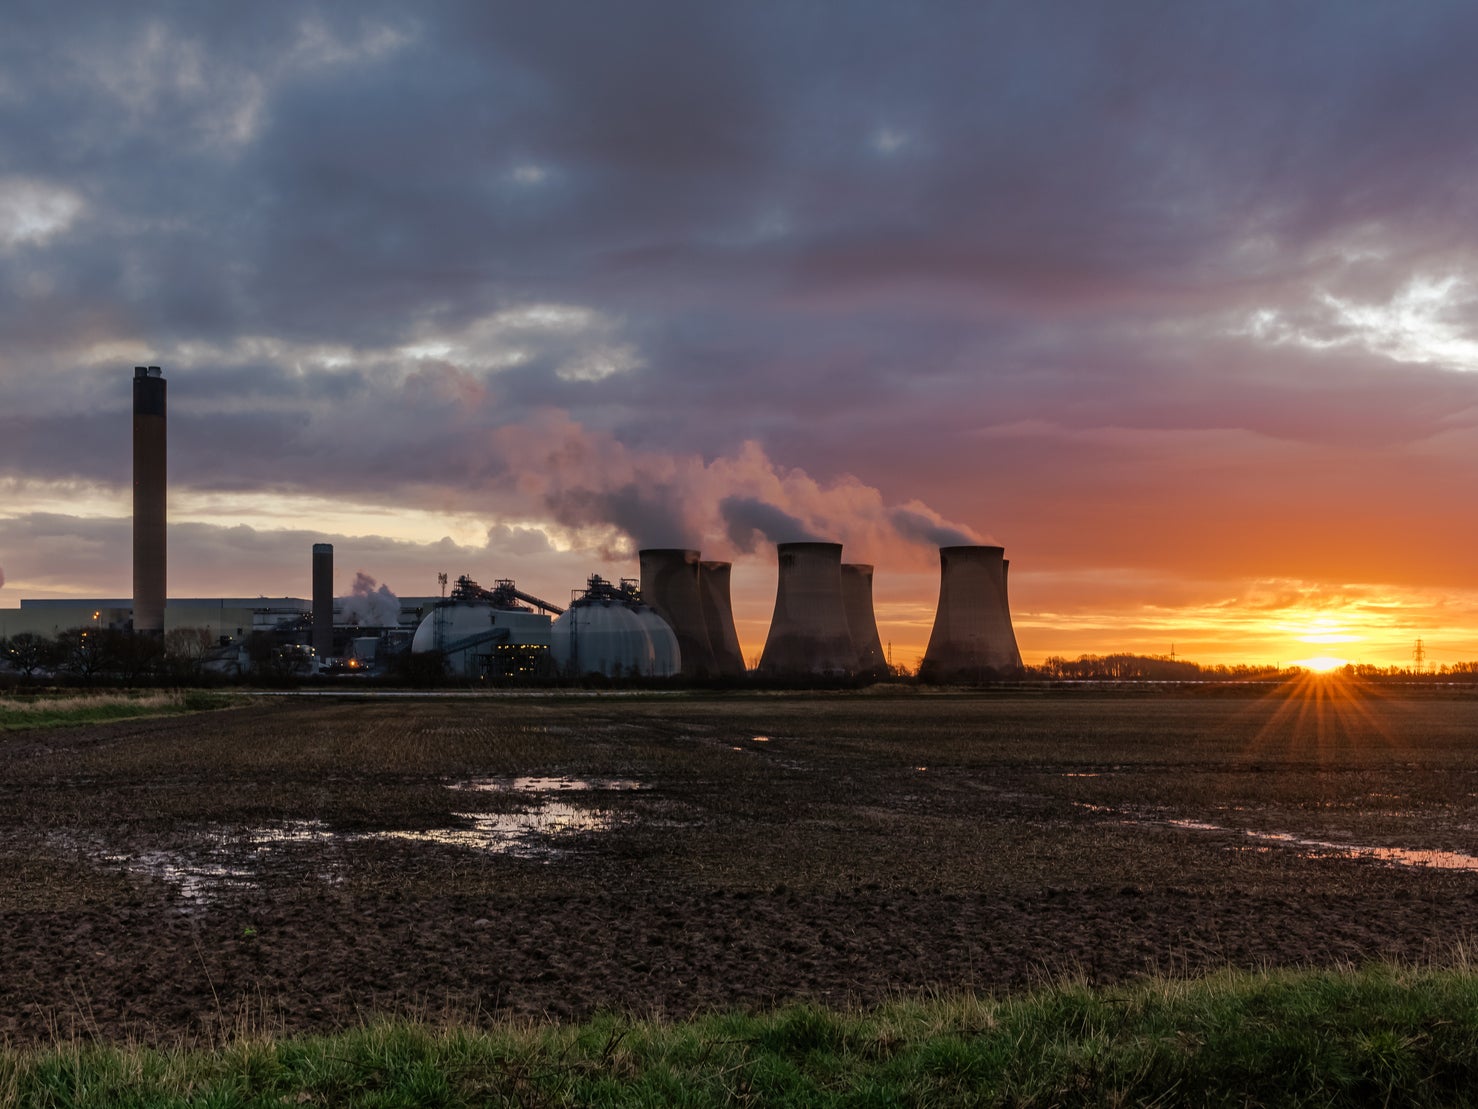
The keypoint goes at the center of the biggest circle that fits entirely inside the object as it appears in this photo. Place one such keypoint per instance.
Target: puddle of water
(226, 860)
(1081, 774)
(549, 785)
(195, 879)
(1398, 856)
(760, 739)
(1317, 848)
(522, 835)
(1308, 848)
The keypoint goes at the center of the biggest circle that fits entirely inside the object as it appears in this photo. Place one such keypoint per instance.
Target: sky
(1173, 300)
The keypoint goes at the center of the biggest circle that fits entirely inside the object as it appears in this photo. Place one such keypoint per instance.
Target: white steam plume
(370, 606)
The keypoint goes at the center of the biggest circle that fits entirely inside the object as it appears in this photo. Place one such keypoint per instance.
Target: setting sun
(1324, 630)
(1322, 664)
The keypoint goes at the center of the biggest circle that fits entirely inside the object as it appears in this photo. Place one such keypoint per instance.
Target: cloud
(33, 211)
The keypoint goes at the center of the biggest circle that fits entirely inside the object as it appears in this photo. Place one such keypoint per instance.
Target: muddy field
(302, 863)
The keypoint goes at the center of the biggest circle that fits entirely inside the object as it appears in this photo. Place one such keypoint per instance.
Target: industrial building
(488, 633)
(610, 631)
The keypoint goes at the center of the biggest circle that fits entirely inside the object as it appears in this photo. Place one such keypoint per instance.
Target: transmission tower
(1420, 655)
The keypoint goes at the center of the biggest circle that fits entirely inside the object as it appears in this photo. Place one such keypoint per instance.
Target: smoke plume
(617, 498)
(369, 606)
(652, 515)
(925, 529)
(2, 576)
(746, 518)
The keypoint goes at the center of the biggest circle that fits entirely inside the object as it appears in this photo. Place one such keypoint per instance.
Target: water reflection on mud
(1305, 846)
(549, 785)
(215, 861)
(1318, 848)
(223, 859)
(523, 835)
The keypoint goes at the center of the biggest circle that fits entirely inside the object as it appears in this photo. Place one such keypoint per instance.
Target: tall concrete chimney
(669, 583)
(149, 487)
(718, 617)
(972, 636)
(323, 599)
(808, 632)
(861, 621)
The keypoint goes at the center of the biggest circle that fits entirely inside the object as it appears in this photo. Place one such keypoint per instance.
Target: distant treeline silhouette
(1162, 668)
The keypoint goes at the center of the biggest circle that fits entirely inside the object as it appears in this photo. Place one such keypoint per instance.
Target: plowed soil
(306, 863)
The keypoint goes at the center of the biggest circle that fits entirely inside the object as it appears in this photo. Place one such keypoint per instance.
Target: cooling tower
(808, 633)
(1006, 607)
(149, 486)
(323, 599)
(669, 583)
(861, 622)
(972, 635)
(718, 618)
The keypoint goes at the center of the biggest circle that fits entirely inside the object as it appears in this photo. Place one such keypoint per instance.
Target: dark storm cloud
(955, 258)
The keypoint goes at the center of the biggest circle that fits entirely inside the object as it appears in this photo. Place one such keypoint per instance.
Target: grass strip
(71, 709)
(1381, 1034)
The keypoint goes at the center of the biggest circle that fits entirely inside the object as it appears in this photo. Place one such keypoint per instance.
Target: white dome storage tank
(609, 631)
(486, 633)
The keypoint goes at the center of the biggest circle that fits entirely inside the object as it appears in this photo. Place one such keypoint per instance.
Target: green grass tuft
(1378, 1035)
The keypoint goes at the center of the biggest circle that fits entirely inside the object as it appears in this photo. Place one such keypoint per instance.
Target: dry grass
(72, 702)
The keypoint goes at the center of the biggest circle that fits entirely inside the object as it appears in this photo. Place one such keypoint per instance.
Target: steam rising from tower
(149, 486)
(972, 635)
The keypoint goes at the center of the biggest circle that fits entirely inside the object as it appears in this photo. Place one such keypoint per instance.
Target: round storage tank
(452, 623)
(484, 641)
(616, 639)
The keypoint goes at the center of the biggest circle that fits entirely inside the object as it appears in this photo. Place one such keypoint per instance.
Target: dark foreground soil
(305, 864)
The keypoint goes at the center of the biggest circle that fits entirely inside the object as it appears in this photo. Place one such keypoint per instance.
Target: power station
(676, 620)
